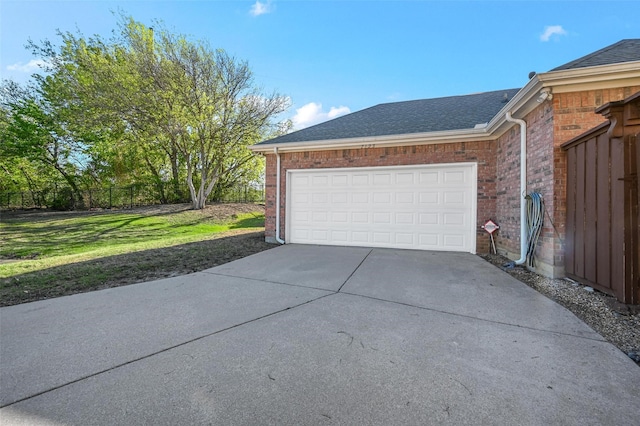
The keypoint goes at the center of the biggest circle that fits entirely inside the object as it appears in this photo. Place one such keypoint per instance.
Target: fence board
(602, 194)
(579, 213)
(571, 213)
(617, 214)
(590, 225)
(603, 208)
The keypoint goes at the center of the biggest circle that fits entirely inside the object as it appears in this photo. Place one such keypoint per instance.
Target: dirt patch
(136, 267)
(220, 212)
(131, 268)
(619, 324)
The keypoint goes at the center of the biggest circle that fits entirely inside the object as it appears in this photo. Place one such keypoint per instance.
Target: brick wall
(539, 178)
(479, 152)
(574, 114)
(548, 126)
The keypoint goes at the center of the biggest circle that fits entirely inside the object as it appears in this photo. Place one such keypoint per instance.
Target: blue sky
(332, 57)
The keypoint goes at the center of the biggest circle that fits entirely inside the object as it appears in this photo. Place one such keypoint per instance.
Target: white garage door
(429, 207)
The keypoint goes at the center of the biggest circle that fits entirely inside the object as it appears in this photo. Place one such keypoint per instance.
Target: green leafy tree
(182, 111)
(34, 130)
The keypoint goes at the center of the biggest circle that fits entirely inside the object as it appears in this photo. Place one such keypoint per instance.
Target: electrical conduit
(523, 187)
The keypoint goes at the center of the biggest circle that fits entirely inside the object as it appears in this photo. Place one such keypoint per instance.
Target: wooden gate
(601, 245)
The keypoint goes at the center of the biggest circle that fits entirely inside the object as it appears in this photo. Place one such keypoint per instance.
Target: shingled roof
(441, 114)
(623, 51)
(398, 118)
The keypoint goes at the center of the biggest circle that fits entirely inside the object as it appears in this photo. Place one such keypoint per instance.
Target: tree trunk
(78, 203)
(192, 189)
(175, 171)
(158, 181)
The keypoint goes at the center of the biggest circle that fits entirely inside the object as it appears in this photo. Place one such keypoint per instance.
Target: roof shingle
(623, 51)
(418, 116)
(441, 114)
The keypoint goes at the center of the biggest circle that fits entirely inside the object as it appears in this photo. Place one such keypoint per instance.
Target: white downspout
(278, 239)
(523, 187)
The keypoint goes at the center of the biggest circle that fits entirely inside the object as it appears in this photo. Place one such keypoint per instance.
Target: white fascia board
(524, 100)
(574, 79)
(589, 78)
(428, 138)
(522, 103)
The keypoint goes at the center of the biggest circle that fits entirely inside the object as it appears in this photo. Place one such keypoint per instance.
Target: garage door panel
(320, 235)
(301, 216)
(453, 219)
(430, 242)
(319, 216)
(360, 197)
(340, 180)
(455, 198)
(429, 177)
(340, 217)
(300, 234)
(429, 218)
(339, 197)
(382, 218)
(382, 197)
(405, 197)
(360, 217)
(301, 198)
(454, 177)
(360, 179)
(382, 237)
(300, 180)
(405, 178)
(360, 237)
(419, 207)
(453, 241)
(405, 239)
(381, 178)
(318, 180)
(340, 236)
(431, 197)
(405, 218)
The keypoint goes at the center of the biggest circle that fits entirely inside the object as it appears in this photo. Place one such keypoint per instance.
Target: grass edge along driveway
(71, 253)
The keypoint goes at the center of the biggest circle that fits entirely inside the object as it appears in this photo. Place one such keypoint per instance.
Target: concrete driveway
(314, 335)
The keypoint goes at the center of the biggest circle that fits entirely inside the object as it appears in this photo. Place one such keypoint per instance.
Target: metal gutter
(278, 239)
(523, 102)
(523, 186)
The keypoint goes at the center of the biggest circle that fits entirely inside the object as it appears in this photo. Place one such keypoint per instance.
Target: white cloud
(29, 67)
(260, 8)
(312, 113)
(552, 30)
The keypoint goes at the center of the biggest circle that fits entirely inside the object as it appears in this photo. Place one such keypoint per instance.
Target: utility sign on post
(491, 227)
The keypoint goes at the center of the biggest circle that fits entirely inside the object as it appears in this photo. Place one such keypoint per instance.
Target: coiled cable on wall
(535, 220)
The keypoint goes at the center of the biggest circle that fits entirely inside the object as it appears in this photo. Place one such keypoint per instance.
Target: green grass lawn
(52, 255)
(42, 242)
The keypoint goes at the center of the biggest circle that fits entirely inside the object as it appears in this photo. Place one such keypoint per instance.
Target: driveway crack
(507, 324)
(195, 339)
(354, 271)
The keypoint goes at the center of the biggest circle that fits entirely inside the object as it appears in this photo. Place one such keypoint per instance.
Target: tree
(212, 109)
(185, 110)
(33, 129)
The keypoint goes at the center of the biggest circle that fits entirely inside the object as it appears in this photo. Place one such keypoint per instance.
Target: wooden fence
(602, 203)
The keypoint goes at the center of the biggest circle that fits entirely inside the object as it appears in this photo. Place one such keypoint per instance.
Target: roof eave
(522, 103)
(620, 74)
(466, 135)
(563, 81)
